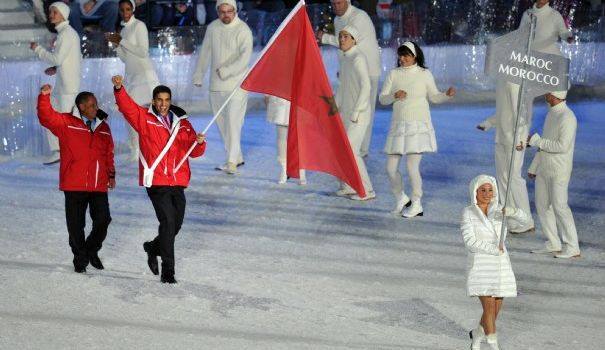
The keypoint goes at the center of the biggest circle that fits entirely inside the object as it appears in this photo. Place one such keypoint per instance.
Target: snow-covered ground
(264, 266)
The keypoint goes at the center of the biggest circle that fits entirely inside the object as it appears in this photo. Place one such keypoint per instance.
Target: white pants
(396, 179)
(356, 133)
(365, 146)
(230, 121)
(62, 104)
(518, 197)
(142, 95)
(282, 143)
(554, 213)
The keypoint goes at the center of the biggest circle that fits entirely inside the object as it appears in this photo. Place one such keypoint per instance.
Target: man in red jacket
(86, 172)
(165, 139)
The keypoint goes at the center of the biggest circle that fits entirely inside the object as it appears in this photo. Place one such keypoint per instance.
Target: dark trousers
(169, 204)
(76, 204)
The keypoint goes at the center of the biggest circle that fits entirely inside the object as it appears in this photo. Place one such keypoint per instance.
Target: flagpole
(300, 4)
(520, 105)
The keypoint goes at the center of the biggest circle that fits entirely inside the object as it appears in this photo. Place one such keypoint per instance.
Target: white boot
(477, 336)
(231, 168)
(402, 201)
(369, 195)
(283, 176)
(492, 341)
(413, 210)
(303, 177)
(345, 192)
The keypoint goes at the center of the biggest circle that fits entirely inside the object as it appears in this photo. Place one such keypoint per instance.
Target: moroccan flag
(290, 67)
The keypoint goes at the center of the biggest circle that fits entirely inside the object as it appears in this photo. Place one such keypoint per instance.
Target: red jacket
(86, 157)
(154, 135)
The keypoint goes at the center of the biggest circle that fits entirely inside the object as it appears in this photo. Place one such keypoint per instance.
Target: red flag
(291, 67)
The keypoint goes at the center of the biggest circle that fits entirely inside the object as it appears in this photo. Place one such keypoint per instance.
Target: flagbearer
(165, 136)
(352, 100)
(551, 168)
(226, 48)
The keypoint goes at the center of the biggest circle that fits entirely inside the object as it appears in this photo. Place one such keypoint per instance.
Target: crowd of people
(162, 139)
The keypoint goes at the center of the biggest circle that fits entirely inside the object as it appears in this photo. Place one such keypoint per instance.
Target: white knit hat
(351, 30)
(62, 8)
(410, 45)
(226, 2)
(561, 95)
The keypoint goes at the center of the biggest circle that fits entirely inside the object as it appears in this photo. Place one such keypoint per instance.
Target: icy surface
(264, 266)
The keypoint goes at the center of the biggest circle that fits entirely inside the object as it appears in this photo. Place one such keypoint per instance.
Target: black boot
(80, 269)
(95, 261)
(168, 275)
(152, 259)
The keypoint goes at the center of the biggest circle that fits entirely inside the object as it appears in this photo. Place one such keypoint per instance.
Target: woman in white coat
(489, 273)
(132, 47)
(409, 87)
(353, 101)
(278, 113)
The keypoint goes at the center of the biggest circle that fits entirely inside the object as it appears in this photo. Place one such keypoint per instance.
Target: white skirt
(411, 137)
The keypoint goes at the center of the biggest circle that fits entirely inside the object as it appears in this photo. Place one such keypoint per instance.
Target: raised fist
(45, 89)
(117, 81)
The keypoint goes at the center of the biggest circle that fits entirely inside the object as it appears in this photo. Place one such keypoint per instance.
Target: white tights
(396, 179)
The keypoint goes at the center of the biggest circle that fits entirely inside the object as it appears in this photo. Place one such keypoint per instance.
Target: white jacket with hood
(489, 272)
(67, 57)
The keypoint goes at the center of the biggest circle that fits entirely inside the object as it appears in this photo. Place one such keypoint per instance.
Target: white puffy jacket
(489, 272)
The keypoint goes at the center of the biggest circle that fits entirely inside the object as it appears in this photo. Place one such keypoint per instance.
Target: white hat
(561, 95)
(134, 5)
(410, 45)
(62, 8)
(351, 30)
(226, 2)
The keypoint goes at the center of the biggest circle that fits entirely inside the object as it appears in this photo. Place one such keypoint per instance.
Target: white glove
(510, 211)
(534, 140)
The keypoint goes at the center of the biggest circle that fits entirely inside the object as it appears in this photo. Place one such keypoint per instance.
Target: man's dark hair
(160, 89)
(83, 97)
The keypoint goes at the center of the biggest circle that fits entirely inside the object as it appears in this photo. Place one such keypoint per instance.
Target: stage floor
(268, 266)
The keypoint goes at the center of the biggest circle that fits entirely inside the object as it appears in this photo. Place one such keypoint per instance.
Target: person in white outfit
(504, 122)
(352, 100)
(349, 15)
(551, 168)
(550, 27)
(278, 113)
(409, 87)
(226, 48)
(490, 276)
(65, 60)
(132, 47)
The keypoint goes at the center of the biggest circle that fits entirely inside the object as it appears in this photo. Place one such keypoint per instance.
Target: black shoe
(168, 279)
(95, 261)
(152, 259)
(79, 269)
